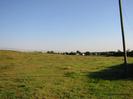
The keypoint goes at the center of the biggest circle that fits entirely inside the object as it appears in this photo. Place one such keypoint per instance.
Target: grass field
(26, 75)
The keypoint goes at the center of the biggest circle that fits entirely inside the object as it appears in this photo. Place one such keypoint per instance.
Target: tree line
(88, 53)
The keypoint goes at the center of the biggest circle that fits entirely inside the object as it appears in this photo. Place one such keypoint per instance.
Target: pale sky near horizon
(64, 25)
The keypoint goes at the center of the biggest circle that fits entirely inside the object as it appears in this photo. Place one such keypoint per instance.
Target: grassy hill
(32, 75)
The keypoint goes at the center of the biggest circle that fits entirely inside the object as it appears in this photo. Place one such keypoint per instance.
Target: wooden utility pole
(123, 35)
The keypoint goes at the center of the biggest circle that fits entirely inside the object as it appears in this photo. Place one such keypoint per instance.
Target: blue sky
(64, 25)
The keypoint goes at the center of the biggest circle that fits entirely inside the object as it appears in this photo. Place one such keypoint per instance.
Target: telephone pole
(123, 35)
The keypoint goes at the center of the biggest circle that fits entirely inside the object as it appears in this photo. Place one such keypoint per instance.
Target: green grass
(49, 76)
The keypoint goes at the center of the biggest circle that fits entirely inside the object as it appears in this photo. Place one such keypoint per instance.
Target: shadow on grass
(117, 72)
